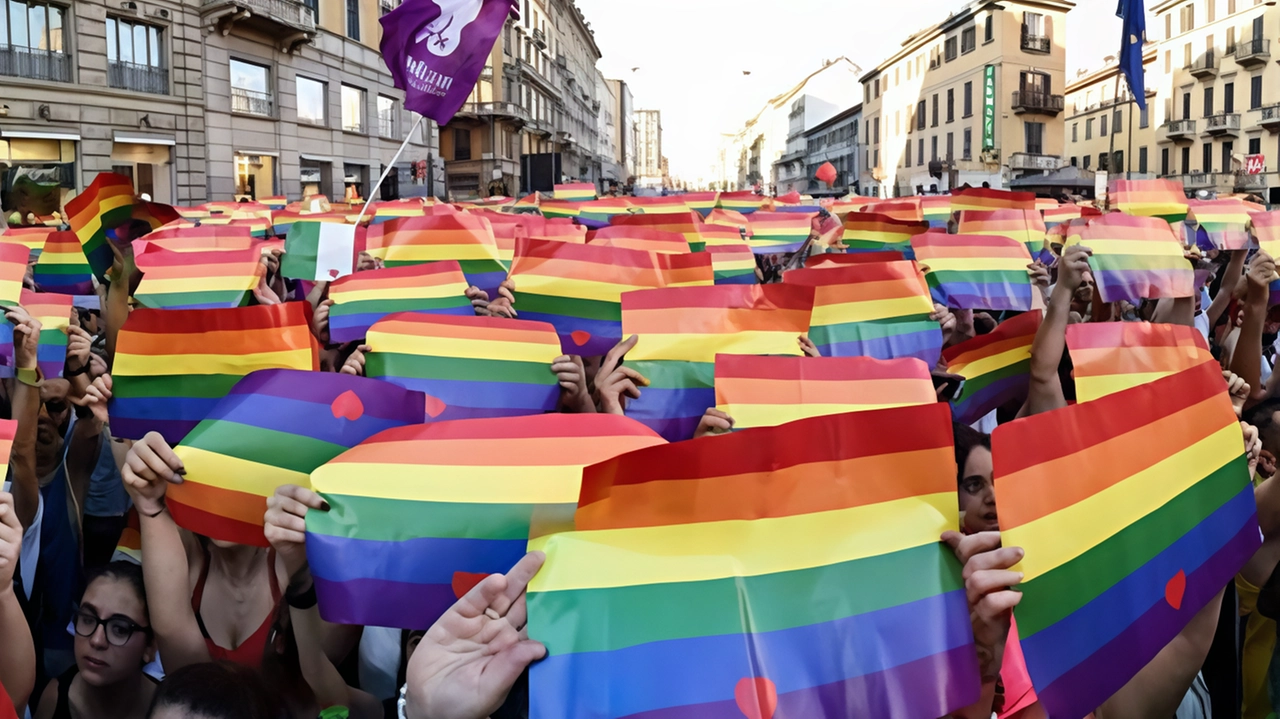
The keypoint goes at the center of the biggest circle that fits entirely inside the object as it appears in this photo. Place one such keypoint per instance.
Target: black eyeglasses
(118, 629)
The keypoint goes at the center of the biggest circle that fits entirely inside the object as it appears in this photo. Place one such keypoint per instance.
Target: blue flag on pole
(1134, 35)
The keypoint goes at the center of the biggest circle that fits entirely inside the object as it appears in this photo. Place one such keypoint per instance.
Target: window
(1034, 136)
(461, 144)
(1088, 129)
(1104, 163)
(1227, 148)
(1186, 56)
(1144, 120)
(1231, 6)
(1088, 159)
(1164, 161)
(968, 40)
(989, 28)
(1255, 92)
(920, 152)
(935, 110)
(1186, 106)
(909, 66)
(949, 49)
(386, 116)
(877, 86)
(951, 104)
(1168, 61)
(135, 57)
(1119, 162)
(1187, 21)
(1231, 41)
(933, 147)
(1229, 98)
(907, 155)
(1208, 101)
(1142, 160)
(877, 156)
(312, 99)
(1210, 10)
(1255, 145)
(353, 19)
(1075, 161)
(250, 88)
(967, 145)
(875, 130)
(352, 109)
(1075, 132)
(951, 146)
(920, 115)
(1206, 160)
(1168, 26)
(33, 34)
(1186, 160)
(968, 99)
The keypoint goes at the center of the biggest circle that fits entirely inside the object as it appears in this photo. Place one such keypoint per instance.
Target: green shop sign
(989, 107)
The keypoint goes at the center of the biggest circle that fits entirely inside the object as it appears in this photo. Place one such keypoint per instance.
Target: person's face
(101, 661)
(54, 411)
(978, 493)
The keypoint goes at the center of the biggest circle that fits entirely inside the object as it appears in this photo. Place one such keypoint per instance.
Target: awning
(143, 138)
(268, 153)
(315, 158)
(39, 135)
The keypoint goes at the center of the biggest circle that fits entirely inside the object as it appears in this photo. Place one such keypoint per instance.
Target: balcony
(32, 64)
(139, 78)
(1180, 130)
(530, 71)
(1033, 42)
(1252, 183)
(502, 110)
(248, 102)
(1220, 181)
(540, 38)
(539, 127)
(290, 22)
(1205, 67)
(1221, 125)
(1253, 53)
(1034, 161)
(1270, 118)
(1040, 103)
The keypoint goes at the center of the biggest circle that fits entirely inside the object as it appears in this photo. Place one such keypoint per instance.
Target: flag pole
(387, 171)
(1111, 152)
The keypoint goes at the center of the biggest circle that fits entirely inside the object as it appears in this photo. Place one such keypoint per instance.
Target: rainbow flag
(848, 204)
(670, 205)
(33, 238)
(741, 202)
(172, 366)
(683, 329)
(790, 571)
(8, 430)
(198, 239)
(275, 427)
(1136, 514)
(560, 208)
(982, 198)
(1025, 226)
(1149, 198)
(13, 268)
(769, 391)
(364, 298)
(578, 288)
(904, 209)
(878, 310)
(1222, 222)
(936, 210)
(130, 542)
(996, 367)
(700, 202)
(733, 265)
(577, 191)
(259, 227)
(1066, 213)
(54, 313)
(1111, 357)
(729, 218)
(155, 214)
(466, 239)
(104, 205)
(404, 538)
(468, 367)
(197, 280)
(409, 207)
(975, 272)
(686, 223)
(275, 203)
(598, 213)
(1136, 258)
(62, 266)
(282, 220)
(640, 238)
(772, 232)
(1266, 231)
(871, 232)
(837, 259)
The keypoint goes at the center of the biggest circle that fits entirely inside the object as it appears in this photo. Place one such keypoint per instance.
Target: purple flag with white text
(436, 49)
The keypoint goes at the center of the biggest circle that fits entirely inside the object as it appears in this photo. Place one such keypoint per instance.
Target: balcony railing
(1270, 118)
(1037, 102)
(1251, 182)
(1034, 161)
(1220, 124)
(250, 102)
(501, 109)
(286, 12)
(1206, 180)
(32, 64)
(1256, 51)
(140, 78)
(1205, 66)
(1180, 129)
(1033, 42)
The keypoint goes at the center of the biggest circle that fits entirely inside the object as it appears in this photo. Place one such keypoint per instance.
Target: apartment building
(789, 170)
(1100, 121)
(839, 142)
(623, 129)
(974, 99)
(649, 159)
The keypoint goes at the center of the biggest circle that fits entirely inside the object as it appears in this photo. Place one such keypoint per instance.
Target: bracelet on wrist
(158, 512)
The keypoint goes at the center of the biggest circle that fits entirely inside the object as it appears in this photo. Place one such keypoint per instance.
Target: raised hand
(285, 523)
(1039, 275)
(479, 300)
(808, 347)
(1252, 446)
(355, 363)
(26, 337)
(148, 469)
(1073, 268)
(320, 321)
(946, 319)
(79, 344)
(1261, 271)
(573, 384)
(987, 582)
(713, 422)
(95, 397)
(1238, 389)
(614, 382)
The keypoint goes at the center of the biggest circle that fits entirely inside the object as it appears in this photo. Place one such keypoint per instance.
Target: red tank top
(250, 651)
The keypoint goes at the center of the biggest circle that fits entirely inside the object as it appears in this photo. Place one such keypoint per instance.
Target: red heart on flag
(333, 274)
(347, 406)
(580, 337)
(435, 407)
(1174, 590)
(464, 582)
(757, 697)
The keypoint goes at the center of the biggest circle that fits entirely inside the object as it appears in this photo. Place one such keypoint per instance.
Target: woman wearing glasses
(113, 642)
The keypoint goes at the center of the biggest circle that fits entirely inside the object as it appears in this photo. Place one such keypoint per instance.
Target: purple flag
(436, 49)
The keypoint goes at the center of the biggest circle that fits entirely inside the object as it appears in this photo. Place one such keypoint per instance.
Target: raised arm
(1045, 391)
(17, 653)
(26, 409)
(1246, 360)
(1227, 289)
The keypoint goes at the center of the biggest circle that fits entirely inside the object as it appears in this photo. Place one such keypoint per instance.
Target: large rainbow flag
(1149, 198)
(404, 538)
(468, 367)
(1266, 230)
(1135, 258)
(790, 571)
(1111, 357)
(936, 210)
(871, 232)
(640, 238)
(32, 238)
(975, 272)
(745, 202)
(578, 288)
(729, 218)
(598, 213)
(362, 299)
(198, 239)
(701, 202)
(878, 310)
(54, 313)
(768, 391)
(983, 198)
(172, 366)
(275, 427)
(104, 205)
(683, 329)
(468, 239)
(13, 268)
(774, 232)
(1025, 226)
(197, 280)
(996, 367)
(577, 191)
(62, 266)
(733, 264)
(1224, 223)
(686, 222)
(904, 209)
(1136, 514)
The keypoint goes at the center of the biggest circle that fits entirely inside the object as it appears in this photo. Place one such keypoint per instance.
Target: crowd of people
(206, 629)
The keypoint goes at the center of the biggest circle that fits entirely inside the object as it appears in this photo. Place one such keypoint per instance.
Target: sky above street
(690, 54)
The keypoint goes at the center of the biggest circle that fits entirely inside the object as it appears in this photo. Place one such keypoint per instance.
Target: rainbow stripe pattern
(403, 535)
(996, 367)
(201, 238)
(8, 430)
(640, 238)
(172, 366)
(575, 192)
(983, 198)
(467, 239)
(701, 202)
(32, 238)
(975, 272)
(197, 280)
(1111, 357)
(54, 313)
(275, 427)
(872, 232)
(769, 391)
(1025, 226)
(362, 299)
(772, 232)
(1266, 230)
(733, 265)
(1223, 222)
(13, 268)
(686, 222)
(790, 571)
(906, 209)
(1165, 199)
(745, 202)
(936, 210)
(468, 367)
(1136, 515)
(62, 266)
(104, 205)
(683, 329)
(1135, 258)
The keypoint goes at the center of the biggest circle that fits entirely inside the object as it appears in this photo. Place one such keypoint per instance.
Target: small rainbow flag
(598, 213)
(683, 329)
(772, 232)
(275, 203)
(409, 207)
(172, 366)
(467, 239)
(729, 218)
(640, 238)
(878, 310)
(275, 427)
(975, 272)
(560, 208)
(1025, 226)
(577, 191)
(104, 205)
(1266, 230)
(733, 265)
(741, 202)
(996, 367)
(1111, 357)
(54, 313)
(837, 259)
(769, 391)
(790, 571)
(282, 220)
(403, 538)
(8, 430)
(197, 280)
(1165, 199)
(362, 299)
(578, 288)
(468, 367)
(1222, 222)
(872, 232)
(686, 223)
(130, 542)
(1136, 258)
(1065, 213)
(700, 202)
(936, 210)
(33, 238)
(670, 205)
(62, 266)
(13, 268)
(904, 209)
(983, 198)
(1132, 518)
(198, 239)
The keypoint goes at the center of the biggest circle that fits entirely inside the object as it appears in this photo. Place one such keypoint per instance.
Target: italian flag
(319, 251)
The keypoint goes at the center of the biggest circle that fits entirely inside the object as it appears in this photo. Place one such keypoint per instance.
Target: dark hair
(1262, 416)
(218, 690)
(126, 572)
(966, 439)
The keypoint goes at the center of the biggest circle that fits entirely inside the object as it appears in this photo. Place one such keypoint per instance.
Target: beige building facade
(975, 99)
(1099, 122)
